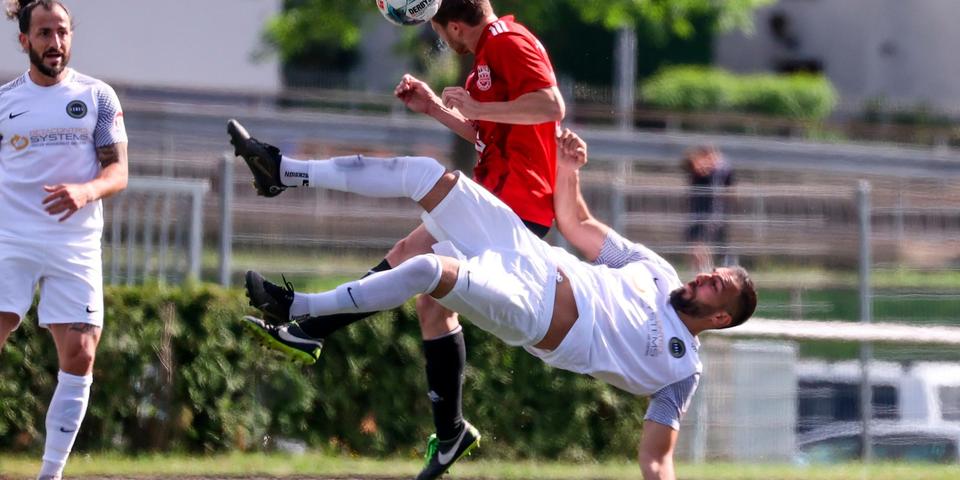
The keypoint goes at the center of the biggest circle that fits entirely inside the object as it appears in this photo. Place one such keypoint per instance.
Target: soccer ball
(408, 12)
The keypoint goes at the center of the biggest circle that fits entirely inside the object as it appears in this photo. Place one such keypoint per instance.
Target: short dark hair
(471, 12)
(22, 10)
(747, 301)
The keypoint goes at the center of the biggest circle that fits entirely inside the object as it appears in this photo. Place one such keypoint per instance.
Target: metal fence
(155, 231)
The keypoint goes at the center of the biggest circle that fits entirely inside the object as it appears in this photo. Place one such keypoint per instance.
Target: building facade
(900, 52)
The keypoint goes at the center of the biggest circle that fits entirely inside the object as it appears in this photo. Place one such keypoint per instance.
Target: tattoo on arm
(82, 327)
(110, 154)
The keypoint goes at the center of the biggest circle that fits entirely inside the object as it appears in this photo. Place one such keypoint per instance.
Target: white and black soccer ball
(408, 12)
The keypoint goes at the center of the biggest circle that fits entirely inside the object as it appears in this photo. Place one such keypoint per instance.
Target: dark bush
(175, 372)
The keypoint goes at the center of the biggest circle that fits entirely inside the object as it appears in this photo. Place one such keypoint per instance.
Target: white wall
(169, 43)
(904, 51)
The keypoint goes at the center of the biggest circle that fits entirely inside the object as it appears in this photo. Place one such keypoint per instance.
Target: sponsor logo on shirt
(484, 78)
(19, 143)
(677, 348)
(654, 337)
(77, 109)
(50, 137)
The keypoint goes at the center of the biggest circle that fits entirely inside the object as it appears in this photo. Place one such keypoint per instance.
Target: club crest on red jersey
(484, 78)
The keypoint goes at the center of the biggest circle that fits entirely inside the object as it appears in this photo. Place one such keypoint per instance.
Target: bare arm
(419, 97)
(534, 108)
(656, 451)
(574, 219)
(452, 119)
(68, 198)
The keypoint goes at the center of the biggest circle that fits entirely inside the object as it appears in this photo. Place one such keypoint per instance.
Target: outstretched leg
(411, 177)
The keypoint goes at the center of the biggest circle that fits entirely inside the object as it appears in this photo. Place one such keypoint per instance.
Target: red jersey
(517, 162)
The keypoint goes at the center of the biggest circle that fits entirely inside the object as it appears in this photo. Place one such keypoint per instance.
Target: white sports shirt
(49, 136)
(627, 334)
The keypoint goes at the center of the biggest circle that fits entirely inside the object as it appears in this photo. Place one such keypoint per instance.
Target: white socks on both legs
(411, 177)
(380, 291)
(64, 415)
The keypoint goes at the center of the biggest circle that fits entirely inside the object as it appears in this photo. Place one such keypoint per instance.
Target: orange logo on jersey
(484, 78)
(19, 143)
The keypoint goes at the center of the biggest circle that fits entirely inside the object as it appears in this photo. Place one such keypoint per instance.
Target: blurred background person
(711, 180)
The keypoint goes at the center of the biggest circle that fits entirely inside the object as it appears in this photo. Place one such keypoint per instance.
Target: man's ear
(454, 28)
(720, 319)
(24, 42)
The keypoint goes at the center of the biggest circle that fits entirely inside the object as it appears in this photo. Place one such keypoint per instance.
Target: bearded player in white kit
(63, 147)
(625, 318)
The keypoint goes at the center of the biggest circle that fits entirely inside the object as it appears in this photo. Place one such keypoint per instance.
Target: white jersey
(627, 334)
(49, 136)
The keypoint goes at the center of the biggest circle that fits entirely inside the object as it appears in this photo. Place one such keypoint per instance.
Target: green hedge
(176, 372)
(698, 89)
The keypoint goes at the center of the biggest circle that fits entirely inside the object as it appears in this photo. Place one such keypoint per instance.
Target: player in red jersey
(510, 109)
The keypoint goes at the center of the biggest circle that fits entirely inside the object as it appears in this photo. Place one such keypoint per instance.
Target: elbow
(558, 109)
(551, 108)
(120, 183)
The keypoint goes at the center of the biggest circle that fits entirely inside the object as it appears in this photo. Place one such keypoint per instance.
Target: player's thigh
(8, 323)
(71, 290)
(415, 243)
(20, 270)
(505, 293)
(474, 220)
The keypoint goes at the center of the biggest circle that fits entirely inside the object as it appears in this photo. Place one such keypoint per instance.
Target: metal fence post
(196, 234)
(618, 200)
(226, 219)
(626, 76)
(866, 315)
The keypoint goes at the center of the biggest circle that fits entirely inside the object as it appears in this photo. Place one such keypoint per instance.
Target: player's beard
(687, 305)
(36, 58)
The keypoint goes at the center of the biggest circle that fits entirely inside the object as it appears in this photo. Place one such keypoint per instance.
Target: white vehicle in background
(890, 442)
(916, 411)
(920, 393)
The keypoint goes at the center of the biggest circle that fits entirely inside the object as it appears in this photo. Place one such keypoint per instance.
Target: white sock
(64, 415)
(411, 177)
(380, 291)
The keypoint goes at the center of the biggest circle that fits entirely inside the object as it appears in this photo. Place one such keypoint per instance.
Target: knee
(78, 360)
(399, 252)
(417, 243)
(425, 270)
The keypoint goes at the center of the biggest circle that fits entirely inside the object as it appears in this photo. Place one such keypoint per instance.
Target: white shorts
(507, 279)
(70, 280)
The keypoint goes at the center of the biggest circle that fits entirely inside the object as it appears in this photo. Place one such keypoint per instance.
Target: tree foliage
(657, 17)
(311, 25)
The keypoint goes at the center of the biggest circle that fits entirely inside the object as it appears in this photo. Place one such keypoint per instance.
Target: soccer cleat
(271, 299)
(262, 158)
(441, 455)
(287, 339)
